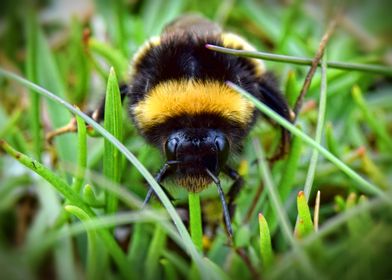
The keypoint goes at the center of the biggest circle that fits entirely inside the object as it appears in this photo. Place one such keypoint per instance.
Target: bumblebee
(180, 103)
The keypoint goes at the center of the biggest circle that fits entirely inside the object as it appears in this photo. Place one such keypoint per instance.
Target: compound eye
(171, 148)
(220, 143)
(223, 148)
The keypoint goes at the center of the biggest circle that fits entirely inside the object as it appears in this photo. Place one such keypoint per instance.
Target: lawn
(71, 205)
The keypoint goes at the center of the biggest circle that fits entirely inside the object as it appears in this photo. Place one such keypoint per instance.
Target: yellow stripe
(178, 97)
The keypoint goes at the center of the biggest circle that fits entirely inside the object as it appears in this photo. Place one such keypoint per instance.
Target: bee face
(195, 150)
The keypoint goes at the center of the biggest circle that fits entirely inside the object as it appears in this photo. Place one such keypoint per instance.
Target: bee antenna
(226, 214)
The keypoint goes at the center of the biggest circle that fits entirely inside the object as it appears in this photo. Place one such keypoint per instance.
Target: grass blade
(151, 266)
(319, 130)
(375, 69)
(265, 243)
(195, 220)
(304, 224)
(112, 158)
(93, 269)
(82, 155)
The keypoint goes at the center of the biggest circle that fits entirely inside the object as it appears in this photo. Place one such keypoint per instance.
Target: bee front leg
(163, 172)
(234, 189)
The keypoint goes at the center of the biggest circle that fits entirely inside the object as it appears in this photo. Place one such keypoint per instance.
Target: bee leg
(159, 177)
(234, 188)
(226, 213)
(96, 115)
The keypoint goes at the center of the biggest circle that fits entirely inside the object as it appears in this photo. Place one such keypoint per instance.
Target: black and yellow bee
(180, 103)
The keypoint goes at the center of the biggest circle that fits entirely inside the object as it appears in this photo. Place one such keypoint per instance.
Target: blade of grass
(304, 225)
(291, 88)
(376, 69)
(286, 181)
(112, 56)
(93, 269)
(31, 73)
(273, 195)
(112, 158)
(319, 130)
(169, 270)
(331, 141)
(195, 220)
(377, 126)
(91, 199)
(265, 243)
(362, 183)
(82, 155)
(137, 252)
(48, 76)
(151, 265)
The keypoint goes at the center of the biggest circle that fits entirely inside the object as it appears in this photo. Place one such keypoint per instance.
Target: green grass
(72, 208)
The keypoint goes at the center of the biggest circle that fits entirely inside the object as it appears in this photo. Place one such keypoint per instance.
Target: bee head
(197, 149)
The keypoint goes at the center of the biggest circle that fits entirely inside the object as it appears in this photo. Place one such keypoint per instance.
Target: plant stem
(195, 220)
(319, 131)
(376, 69)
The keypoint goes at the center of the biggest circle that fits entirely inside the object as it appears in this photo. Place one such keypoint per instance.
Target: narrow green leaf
(332, 143)
(93, 269)
(305, 224)
(287, 179)
(31, 73)
(354, 224)
(378, 127)
(319, 129)
(82, 155)
(48, 76)
(376, 69)
(182, 267)
(373, 171)
(291, 88)
(265, 243)
(273, 194)
(151, 266)
(140, 239)
(91, 199)
(195, 220)
(10, 124)
(292, 14)
(112, 158)
(169, 270)
(114, 57)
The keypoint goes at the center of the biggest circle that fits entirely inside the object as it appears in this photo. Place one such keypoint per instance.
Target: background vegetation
(70, 208)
